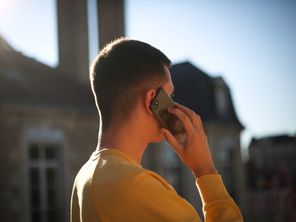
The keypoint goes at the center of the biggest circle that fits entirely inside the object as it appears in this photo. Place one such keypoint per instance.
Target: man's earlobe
(149, 95)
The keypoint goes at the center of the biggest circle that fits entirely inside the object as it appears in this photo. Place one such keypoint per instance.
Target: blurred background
(233, 63)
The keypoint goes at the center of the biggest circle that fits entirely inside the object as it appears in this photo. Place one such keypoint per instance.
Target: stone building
(272, 179)
(48, 121)
(48, 128)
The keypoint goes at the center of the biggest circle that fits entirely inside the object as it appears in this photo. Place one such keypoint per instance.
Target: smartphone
(159, 105)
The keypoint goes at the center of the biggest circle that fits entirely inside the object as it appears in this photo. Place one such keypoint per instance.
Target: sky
(251, 44)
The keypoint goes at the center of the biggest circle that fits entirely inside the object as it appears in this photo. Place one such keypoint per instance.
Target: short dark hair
(120, 74)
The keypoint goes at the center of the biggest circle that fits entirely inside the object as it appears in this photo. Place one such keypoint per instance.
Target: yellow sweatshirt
(111, 186)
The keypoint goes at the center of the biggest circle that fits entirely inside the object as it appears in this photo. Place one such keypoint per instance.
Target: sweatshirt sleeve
(217, 203)
(155, 200)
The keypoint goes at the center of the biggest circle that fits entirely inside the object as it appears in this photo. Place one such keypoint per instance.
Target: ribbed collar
(119, 153)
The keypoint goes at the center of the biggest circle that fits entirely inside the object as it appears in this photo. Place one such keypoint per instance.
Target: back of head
(120, 74)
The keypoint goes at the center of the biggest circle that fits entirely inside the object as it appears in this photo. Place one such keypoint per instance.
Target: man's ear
(149, 95)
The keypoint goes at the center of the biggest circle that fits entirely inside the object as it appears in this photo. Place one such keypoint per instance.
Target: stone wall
(79, 140)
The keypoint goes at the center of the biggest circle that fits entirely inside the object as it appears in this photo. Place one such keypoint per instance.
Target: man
(112, 185)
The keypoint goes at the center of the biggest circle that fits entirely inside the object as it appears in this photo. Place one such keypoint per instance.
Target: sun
(6, 6)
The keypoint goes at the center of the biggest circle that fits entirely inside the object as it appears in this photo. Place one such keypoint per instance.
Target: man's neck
(127, 139)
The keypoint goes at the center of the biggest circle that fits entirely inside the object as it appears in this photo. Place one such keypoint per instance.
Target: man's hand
(194, 151)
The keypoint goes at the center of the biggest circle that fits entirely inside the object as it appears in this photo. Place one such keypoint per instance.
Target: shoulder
(128, 173)
(144, 191)
(149, 178)
(128, 178)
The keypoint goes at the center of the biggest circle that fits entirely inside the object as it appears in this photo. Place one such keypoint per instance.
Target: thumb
(172, 140)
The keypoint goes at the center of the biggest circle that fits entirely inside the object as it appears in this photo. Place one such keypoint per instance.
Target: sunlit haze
(251, 44)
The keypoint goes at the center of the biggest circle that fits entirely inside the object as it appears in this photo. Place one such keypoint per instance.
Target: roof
(196, 89)
(25, 81)
(276, 139)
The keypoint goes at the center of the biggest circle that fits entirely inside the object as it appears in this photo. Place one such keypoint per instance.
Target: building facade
(48, 129)
(272, 179)
(49, 123)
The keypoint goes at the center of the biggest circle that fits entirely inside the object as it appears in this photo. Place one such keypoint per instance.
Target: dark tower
(111, 20)
(73, 38)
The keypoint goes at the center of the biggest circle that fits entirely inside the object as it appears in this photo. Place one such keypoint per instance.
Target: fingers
(195, 119)
(183, 118)
(180, 137)
(185, 109)
(172, 140)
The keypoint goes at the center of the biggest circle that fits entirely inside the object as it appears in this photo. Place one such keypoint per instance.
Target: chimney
(73, 38)
(111, 20)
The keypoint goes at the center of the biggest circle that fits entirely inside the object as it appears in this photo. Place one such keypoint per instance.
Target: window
(221, 101)
(44, 178)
